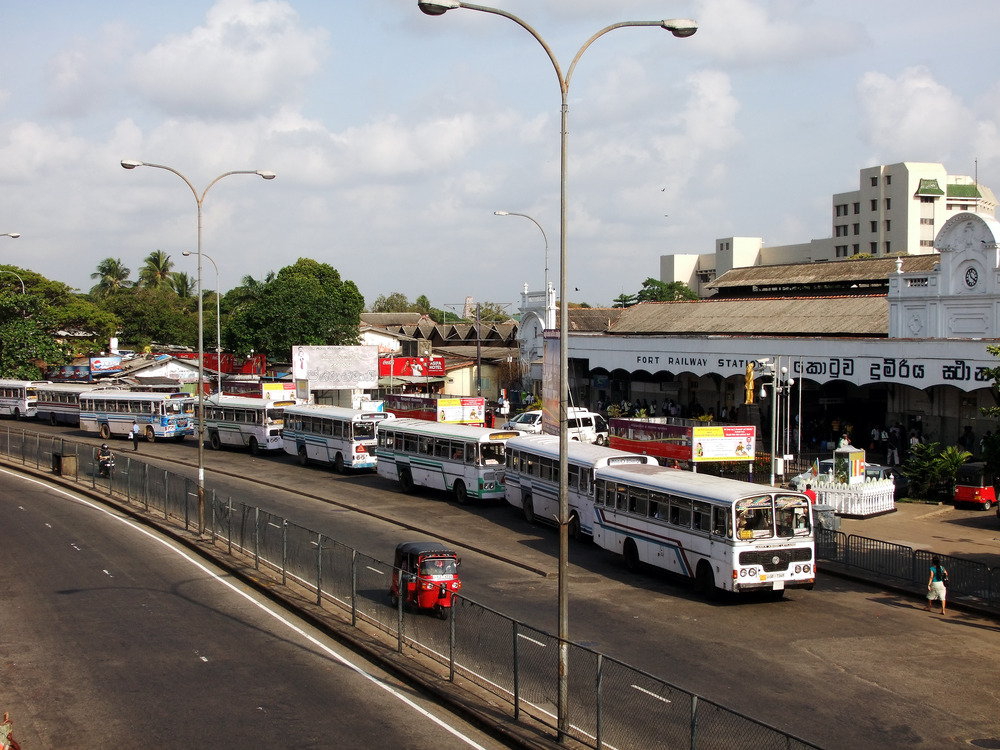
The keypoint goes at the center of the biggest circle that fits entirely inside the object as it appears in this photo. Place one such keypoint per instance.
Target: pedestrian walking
(134, 433)
(936, 584)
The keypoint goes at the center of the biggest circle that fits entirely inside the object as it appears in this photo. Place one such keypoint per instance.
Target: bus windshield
(755, 518)
(364, 430)
(491, 454)
(792, 515)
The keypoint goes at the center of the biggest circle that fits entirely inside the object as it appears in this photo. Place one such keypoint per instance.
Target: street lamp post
(18, 278)
(679, 28)
(781, 384)
(218, 317)
(544, 237)
(12, 235)
(199, 199)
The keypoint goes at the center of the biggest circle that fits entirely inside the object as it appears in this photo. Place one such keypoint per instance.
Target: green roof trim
(930, 187)
(964, 191)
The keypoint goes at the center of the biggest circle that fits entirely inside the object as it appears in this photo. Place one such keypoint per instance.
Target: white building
(897, 209)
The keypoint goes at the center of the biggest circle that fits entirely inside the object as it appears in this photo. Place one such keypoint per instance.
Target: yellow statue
(749, 384)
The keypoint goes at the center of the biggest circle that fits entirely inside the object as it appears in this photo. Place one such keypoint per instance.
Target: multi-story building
(897, 209)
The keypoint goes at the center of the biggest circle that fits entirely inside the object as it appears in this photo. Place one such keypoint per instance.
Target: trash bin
(825, 517)
(64, 464)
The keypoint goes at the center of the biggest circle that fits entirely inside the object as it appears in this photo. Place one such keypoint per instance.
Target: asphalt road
(112, 636)
(845, 665)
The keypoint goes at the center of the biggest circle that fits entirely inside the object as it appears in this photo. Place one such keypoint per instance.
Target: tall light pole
(781, 383)
(218, 317)
(514, 213)
(132, 164)
(18, 278)
(679, 28)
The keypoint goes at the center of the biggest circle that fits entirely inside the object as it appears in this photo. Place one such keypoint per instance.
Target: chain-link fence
(610, 704)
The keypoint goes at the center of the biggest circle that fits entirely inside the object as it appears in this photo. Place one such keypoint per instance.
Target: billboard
(335, 367)
(735, 443)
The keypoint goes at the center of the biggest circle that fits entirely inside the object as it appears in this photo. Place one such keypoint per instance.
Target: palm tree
(112, 275)
(156, 270)
(182, 284)
(250, 290)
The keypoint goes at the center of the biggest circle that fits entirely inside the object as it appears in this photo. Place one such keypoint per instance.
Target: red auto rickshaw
(975, 484)
(429, 574)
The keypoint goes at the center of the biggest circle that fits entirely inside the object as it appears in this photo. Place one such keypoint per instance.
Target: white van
(585, 426)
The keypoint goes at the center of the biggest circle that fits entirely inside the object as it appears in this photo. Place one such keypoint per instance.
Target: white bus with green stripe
(468, 461)
(333, 435)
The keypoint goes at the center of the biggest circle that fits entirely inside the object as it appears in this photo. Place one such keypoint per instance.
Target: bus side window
(621, 497)
(654, 509)
(721, 522)
(574, 477)
(599, 493)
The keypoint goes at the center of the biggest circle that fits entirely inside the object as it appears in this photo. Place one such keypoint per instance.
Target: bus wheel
(406, 481)
(254, 447)
(631, 554)
(17, 414)
(105, 432)
(528, 508)
(461, 495)
(338, 463)
(303, 457)
(215, 441)
(704, 580)
(52, 418)
(150, 434)
(575, 530)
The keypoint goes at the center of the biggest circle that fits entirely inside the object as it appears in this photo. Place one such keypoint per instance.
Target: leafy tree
(394, 303)
(151, 315)
(156, 270)
(111, 275)
(304, 304)
(932, 470)
(492, 312)
(654, 290)
(624, 300)
(422, 305)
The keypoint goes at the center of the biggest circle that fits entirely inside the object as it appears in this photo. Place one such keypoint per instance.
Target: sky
(396, 135)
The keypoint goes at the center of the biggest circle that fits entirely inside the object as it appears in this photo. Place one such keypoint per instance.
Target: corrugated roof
(590, 319)
(847, 271)
(384, 320)
(849, 315)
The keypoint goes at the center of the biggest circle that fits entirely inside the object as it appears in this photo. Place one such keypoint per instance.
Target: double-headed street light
(680, 27)
(132, 164)
(218, 317)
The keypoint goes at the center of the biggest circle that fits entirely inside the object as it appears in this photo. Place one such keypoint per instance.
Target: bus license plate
(779, 585)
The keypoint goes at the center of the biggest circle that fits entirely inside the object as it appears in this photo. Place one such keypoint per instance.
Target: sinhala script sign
(334, 367)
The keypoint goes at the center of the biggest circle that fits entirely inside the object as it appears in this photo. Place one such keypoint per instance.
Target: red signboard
(417, 367)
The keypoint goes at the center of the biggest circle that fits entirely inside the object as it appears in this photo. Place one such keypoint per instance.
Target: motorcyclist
(104, 458)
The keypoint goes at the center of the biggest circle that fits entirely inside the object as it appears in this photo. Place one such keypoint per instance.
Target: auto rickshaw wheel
(441, 612)
(461, 494)
(393, 600)
(987, 504)
(528, 508)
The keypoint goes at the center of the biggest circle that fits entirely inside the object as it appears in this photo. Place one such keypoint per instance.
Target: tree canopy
(306, 303)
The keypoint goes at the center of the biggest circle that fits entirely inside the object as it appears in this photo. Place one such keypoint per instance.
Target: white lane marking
(75, 547)
(107, 574)
(275, 615)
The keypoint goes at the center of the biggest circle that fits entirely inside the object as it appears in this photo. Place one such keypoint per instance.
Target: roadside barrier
(611, 704)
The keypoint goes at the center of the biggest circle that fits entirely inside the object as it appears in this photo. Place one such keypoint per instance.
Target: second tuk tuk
(976, 485)
(425, 576)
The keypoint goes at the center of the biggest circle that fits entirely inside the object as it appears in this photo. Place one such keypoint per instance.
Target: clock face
(971, 277)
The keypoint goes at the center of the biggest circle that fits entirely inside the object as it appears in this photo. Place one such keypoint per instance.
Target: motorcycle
(106, 464)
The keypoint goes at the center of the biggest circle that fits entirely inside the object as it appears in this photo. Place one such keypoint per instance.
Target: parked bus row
(720, 533)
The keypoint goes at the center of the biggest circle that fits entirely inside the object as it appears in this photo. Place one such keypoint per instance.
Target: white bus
(60, 402)
(532, 480)
(19, 398)
(463, 459)
(333, 435)
(721, 533)
(253, 423)
(159, 415)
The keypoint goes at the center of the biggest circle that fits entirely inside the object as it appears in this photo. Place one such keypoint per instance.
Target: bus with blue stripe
(158, 415)
(246, 422)
(722, 534)
(332, 435)
(532, 480)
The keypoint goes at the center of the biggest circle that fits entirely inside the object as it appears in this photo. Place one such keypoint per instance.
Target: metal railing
(611, 704)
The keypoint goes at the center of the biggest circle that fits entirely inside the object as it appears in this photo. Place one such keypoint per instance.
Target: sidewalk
(937, 528)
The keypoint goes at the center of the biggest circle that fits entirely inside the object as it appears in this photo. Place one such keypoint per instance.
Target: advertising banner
(719, 443)
(336, 367)
(417, 367)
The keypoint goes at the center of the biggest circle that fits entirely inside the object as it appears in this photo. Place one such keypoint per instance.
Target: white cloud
(912, 116)
(249, 57)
